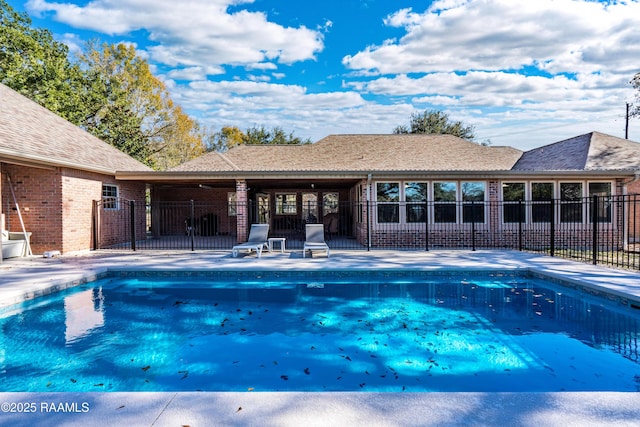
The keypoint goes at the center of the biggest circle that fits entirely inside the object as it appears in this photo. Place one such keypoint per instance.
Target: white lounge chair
(257, 240)
(315, 239)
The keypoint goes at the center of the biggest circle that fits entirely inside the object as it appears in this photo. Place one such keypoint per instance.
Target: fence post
(552, 224)
(594, 220)
(132, 214)
(192, 224)
(520, 220)
(473, 225)
(426, 226)
(368, 225)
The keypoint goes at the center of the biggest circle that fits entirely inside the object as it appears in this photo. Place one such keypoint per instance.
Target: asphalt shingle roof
(32, 133)
(594, 151)
(337, 153)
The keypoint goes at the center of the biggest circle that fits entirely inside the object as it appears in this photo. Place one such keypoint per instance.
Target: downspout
(625, 225)
(369, 216)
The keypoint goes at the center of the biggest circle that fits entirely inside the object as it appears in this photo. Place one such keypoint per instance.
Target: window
(444, 202)
(286, 204)
(388, 197)
(603, 191)
(512, 194)
(109, 196)
(570, 202)
(231, 203)
(541, 201)
(310, 207)
(415, 194)
(329, 203)
(472, 192)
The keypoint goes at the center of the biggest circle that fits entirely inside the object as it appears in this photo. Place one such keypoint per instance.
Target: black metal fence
(599, 229)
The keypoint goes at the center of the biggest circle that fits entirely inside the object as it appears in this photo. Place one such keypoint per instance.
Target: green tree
(227, 137)
(436, 122)
(276, 135)
(131, 108)
(231, 136)
(182, 141)
(37, 66)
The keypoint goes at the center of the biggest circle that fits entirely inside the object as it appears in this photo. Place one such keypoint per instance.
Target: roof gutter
(47, 163)
(151, 176)
(636, 178)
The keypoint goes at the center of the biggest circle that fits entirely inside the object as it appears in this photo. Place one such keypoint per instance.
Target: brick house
(56, 170)
(372, 189)
(394, 186)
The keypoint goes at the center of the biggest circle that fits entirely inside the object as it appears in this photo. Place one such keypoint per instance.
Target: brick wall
(39, 195)
(56, 204)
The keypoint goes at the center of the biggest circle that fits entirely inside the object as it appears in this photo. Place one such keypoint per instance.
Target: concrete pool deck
(28, 277)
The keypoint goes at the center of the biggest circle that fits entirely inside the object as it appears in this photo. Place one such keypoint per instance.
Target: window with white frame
(541, 201)
(415, 194)
(512, 194)
(603, 201)
(444, 202)
(388, 198)
(473, 201)
(571, 202)
(110, 196)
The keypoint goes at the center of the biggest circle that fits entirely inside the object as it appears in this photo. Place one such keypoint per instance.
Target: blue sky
(524, 73)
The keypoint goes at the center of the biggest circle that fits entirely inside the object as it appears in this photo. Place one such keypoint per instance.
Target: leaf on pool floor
(307, 371)
(99, 385)
(73, 380)
(146, 368)
(284, 377)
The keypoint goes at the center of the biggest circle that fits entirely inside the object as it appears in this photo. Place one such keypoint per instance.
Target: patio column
(242, 211)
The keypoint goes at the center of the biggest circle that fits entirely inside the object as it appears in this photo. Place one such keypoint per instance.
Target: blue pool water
(337, 332)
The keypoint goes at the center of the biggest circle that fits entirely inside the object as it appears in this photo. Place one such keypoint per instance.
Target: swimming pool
(335, 331)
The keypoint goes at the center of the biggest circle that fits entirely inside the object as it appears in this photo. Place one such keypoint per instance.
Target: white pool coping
(30, 277)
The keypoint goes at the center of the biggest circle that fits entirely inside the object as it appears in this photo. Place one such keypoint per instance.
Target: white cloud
(522, 72)
(511, 65)
(312, 115)
(197, 33)
(505, 34)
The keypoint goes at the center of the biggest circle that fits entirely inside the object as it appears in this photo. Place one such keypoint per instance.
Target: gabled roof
(29, 133)
(590, 152)
(367, 153)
